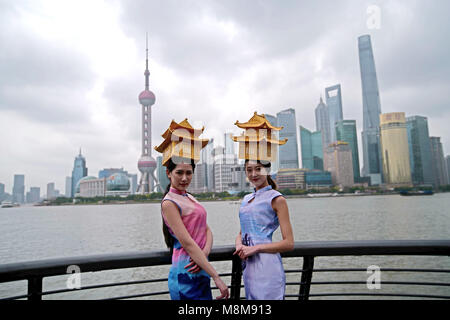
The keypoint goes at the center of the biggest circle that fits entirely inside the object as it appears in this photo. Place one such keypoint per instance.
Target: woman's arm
(173, 219)
(279, 204)
(192, 266)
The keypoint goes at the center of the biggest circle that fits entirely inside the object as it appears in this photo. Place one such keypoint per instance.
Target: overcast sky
(71, 71)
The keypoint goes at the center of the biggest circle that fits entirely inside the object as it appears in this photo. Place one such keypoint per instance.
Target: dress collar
(176, 191)
(269, 187)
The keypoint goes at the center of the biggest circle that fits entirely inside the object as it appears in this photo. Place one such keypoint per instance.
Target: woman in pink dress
(189, 238)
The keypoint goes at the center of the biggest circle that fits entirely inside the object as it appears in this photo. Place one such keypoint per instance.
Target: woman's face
(256, 174)
(181, 176)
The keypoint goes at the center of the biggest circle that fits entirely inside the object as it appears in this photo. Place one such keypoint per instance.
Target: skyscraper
(419, 150)
(275, 166)
(395, 150)
(346, 131)
(51, 191)
(437, 162)
(371, 111)
(447, 160)
(19, 188)
(229, 143)
(68, 192)
(338, 161)
(34, 195)
(289, 151)
(161, 173)
(334, 105)
(312, 149)
(146, 163)
(207, 156)
(323, 122)
(79, 171)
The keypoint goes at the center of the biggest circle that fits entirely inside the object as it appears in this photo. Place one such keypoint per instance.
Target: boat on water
(416, 192)
(9, 204)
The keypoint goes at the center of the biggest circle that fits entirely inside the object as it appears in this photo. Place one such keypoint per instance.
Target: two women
(189, 237)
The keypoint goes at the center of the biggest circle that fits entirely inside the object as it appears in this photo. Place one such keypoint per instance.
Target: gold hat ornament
(258, 141)
(181, 140)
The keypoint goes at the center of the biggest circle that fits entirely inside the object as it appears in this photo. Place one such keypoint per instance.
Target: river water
(35, 233)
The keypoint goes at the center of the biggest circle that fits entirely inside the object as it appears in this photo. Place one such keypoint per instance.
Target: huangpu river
(34, 233)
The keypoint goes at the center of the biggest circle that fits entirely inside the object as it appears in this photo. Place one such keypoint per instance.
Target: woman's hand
(224, 293)
(245, 251)
(194, 267)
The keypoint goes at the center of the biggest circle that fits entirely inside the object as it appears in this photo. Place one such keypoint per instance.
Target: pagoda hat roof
(258, 139)
(258, 121)
(183, 132)
(182, 125)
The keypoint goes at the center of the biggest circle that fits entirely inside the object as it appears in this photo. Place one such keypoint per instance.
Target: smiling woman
(185, 229)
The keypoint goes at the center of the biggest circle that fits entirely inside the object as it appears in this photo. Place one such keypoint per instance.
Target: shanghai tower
(371, 112)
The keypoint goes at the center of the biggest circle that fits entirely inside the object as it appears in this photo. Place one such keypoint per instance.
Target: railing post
(308, 268)
(236, 278)
(35, 288)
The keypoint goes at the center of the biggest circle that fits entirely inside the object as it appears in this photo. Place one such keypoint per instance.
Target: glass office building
(419, 150)
(275, 166)
(334, 106)
(289, 151)
(395, 149)
(18, 195)
(323, 122)
(438, 164)
(346, 131)
(312, 151)
(79, 171)
(371, 110)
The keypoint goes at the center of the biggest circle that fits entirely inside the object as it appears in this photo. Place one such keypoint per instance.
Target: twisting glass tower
(146, 163)
(371, 111)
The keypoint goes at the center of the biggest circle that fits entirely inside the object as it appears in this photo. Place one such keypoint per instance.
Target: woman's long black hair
(168, 238)
(266, 165)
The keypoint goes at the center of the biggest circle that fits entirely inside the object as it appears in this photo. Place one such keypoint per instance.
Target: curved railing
(35, 271)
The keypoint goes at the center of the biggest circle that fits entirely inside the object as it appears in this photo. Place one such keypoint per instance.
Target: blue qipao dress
(263, 273)
(184, 285)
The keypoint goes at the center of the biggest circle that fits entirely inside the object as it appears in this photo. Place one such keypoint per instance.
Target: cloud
(70, 73)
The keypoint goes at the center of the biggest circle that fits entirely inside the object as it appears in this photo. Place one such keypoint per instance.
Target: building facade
(371, 111)
(312, 149)
(222, 169)
(291, 179)
(318, 179)
(346, 131)
(288, 153)
(323, 122)
(275, 166)
(419, 150)
(338, 161)
(334, 105)
(18, 195)
(395, 149)
(438, 163)
(51, 195)
(79, 171)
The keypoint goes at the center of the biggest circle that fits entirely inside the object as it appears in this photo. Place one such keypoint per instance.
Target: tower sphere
(147, 98)
(146, 164)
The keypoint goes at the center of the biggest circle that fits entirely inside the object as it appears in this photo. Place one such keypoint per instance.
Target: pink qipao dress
(184, 285)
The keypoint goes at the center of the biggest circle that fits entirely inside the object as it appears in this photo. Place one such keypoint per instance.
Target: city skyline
(72, 83)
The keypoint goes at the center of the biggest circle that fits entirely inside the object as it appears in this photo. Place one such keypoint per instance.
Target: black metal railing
(35, 271)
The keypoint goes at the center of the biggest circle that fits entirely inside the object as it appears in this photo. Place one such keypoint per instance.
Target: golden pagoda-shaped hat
(258, 141)
(181, 141)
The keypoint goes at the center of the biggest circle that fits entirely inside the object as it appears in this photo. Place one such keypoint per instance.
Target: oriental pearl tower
(146, 163)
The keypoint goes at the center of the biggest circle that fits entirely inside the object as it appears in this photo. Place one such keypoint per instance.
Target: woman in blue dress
(260, 214)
